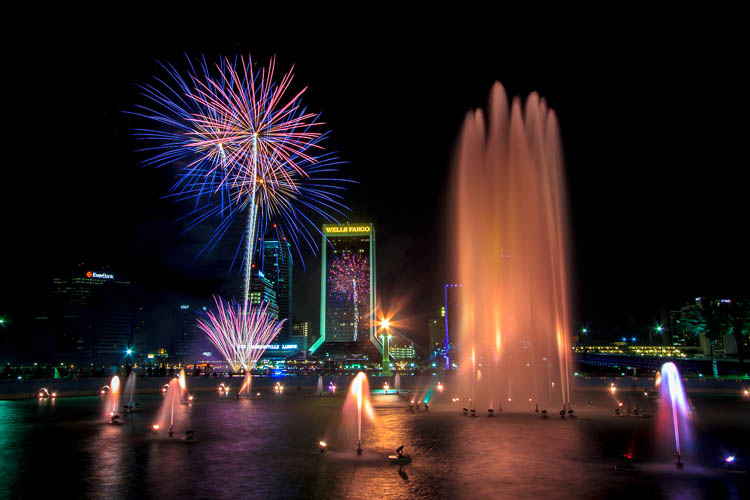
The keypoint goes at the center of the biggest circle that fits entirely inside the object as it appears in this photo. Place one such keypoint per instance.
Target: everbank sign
(101, 276)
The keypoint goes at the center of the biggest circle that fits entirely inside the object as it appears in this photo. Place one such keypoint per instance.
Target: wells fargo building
(347, 291)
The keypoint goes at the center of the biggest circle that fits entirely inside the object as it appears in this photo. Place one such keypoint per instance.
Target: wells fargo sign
(357, 228)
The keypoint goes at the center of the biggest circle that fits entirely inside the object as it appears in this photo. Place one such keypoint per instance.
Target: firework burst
(350, 276)
(240, 335)
(243, 147)
(350, 281)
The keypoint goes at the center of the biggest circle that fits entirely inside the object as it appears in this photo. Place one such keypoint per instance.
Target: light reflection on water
(267, 448)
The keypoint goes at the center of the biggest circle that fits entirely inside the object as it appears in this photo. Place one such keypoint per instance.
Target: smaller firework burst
(241, 335)
(350, 276)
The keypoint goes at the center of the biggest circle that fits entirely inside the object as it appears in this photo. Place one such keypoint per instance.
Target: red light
(274, 225)
(89, 274)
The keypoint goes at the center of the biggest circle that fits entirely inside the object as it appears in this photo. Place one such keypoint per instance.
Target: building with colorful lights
(403, 352)
(347, 292)
(262, 291)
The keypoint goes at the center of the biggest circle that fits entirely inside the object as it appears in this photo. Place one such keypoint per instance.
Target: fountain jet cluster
(511, 244)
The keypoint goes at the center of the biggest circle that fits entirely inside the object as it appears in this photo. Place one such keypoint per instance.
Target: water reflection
(268, 448)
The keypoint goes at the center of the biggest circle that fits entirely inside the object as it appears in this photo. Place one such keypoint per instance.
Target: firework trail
(350, 280)
(241, 336)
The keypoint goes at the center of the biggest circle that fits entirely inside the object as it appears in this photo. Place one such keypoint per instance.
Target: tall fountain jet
(113, 397)
(511, 244)
(674, 410)
(358, 402)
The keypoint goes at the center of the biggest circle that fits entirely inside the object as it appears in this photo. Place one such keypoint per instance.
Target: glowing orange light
(89, 274)
(155, 427)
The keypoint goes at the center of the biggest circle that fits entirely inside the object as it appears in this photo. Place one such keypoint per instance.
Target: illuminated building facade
(276, 267)
(400, 352)
(436, 329)
(262, 290)
(347, 291)
(301, 335)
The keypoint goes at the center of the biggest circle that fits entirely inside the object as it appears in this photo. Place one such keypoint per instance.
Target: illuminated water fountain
(319, 389)
(673, 411)
(357, 402)
(166, 415)
(247, 383)
(112, 402)
(185, 396)
(130, 404)
(397, 382)
(511, 247)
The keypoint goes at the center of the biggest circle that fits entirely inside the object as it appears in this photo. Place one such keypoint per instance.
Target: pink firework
(350, 276)
(241, 335)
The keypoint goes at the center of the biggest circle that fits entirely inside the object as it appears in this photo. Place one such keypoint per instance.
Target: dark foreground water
(267, 448)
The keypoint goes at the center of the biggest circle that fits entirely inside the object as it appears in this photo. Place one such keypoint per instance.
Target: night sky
(649, 127)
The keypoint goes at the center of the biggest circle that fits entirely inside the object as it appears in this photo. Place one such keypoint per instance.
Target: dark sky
(652, 128)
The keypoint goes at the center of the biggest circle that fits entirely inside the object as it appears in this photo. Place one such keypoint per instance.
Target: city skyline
(663, 226)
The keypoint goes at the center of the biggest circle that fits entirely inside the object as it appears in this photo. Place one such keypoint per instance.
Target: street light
(386, 342)
(659, 329)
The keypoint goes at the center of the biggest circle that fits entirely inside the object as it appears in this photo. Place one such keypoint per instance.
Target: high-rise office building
(301, 335)
(262, 290)
(347, 290)
(451, 317)
(276, 266)
(91, 316)
(185, 347)
(436, 329)
(400, 352)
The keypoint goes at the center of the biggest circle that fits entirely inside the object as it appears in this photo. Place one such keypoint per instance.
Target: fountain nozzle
(359, 448)
(171, 430)
(679, 462)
